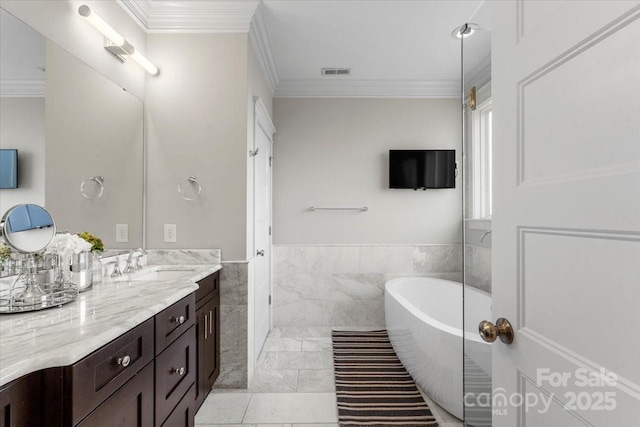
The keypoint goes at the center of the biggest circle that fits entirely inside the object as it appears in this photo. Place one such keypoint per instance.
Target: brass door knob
(489, 332)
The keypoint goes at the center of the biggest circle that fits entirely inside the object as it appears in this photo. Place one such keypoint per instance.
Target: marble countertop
(62, 336)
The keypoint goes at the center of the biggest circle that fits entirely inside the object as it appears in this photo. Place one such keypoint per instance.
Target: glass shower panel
(476, 84)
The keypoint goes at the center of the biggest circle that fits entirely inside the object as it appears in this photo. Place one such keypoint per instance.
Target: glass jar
(97, 267)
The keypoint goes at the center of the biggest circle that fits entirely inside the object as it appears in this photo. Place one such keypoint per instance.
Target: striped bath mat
(372, 386)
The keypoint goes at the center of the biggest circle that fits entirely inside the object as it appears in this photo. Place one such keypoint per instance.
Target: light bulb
(100, 25)
(144, 63)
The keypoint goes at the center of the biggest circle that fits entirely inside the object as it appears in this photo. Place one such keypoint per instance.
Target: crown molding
(348, 88)
(22, 88)
(192, 16)
(262, 46)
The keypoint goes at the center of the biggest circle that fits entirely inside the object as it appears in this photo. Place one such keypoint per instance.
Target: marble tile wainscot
(234, 325)
(343, 285)
(478, 266)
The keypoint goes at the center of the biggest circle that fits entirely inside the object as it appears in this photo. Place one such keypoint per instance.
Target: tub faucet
(486, 233)
(129, 268)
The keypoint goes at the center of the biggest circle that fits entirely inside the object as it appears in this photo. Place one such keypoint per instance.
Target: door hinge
(270, 160)
(269, 299)
(269, 231)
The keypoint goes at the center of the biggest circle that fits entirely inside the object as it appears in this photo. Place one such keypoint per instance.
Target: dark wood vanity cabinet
(156, 375)
(208, 332)
(144, 378)
(21, 402)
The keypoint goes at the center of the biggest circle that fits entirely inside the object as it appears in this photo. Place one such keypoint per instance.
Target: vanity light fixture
(114, 42)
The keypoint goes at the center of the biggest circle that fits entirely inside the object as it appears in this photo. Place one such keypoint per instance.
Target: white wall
(60, 22)
(22, 127)
(334, 153)
(196, 113)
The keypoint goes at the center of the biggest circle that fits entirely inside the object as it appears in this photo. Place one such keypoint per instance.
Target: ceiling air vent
(336, 71)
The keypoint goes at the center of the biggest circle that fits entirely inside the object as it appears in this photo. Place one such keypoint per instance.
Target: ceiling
(395, 48)
(389, 44)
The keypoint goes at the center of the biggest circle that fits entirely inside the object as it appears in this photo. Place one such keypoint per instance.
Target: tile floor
(292, 387)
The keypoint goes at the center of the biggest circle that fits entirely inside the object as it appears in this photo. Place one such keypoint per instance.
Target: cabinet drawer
(209, 284)
(130, 406)
(100, 374)
(175, 373)
(174, 321)
(184, 414)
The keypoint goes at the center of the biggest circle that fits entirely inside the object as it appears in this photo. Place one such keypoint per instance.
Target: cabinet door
(202, 323)
(20, 402)
(208, 328)
(130, 406)
(211, 346)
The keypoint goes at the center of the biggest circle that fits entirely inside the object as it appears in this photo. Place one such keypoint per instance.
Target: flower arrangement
(96, 242)
(66, 244)
(5, 252)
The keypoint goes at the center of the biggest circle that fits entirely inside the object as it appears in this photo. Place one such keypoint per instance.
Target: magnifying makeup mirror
(28, 229)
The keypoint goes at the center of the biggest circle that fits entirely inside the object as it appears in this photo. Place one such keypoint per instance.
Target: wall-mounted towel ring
(192, 180)
(98, 180)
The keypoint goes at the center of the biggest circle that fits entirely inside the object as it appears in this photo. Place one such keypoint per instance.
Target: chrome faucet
(116, 271)
(129, 268)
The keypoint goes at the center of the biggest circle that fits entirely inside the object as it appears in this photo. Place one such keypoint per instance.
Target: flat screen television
(8, 168)
(422, 169)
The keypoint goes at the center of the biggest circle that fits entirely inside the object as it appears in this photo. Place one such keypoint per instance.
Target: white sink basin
(165, 275)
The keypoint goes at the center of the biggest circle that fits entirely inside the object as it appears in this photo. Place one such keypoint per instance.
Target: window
(480, 144)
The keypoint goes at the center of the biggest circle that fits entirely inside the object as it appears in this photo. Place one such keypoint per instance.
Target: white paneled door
(566, 225)
(262, 226)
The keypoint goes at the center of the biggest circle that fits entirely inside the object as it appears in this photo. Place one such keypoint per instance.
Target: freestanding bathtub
(424, 320)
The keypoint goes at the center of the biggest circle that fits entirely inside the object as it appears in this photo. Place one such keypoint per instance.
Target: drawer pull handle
(205, 327)
(210, 322)
(124, 361)
(180, 371)
(179, 320)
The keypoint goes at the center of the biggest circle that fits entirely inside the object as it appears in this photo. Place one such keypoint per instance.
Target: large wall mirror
(72, 128)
